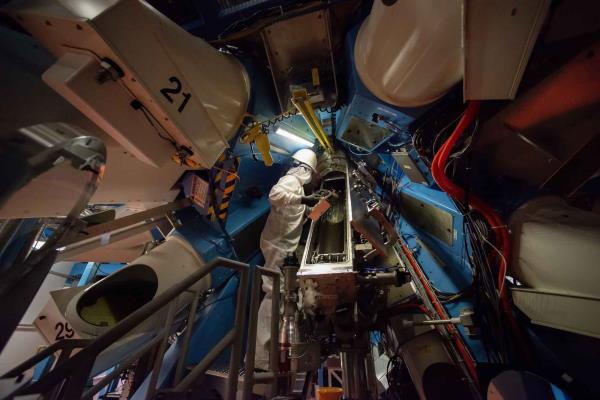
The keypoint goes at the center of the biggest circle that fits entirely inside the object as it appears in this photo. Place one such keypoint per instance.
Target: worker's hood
(302, 172)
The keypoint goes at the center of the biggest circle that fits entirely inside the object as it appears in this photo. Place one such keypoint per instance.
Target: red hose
(464, 353)
(458, 193)
(409, 306)
(493, 219)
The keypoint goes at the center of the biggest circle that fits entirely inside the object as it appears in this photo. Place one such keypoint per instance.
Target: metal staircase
(70, 375)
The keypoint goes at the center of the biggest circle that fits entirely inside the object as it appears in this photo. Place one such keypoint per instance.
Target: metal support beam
(252, 324)
(239, 323)
(186, 338)
(302, 103)
(119, 229)
(206, 362)
(577, 170)
(158, 358)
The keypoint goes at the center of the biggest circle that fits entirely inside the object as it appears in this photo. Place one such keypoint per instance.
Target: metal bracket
(465, 318)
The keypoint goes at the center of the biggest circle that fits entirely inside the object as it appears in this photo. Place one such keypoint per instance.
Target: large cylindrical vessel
(409, 53)
(107, 302)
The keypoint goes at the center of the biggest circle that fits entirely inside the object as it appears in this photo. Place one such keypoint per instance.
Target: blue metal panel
(42, 368)
(76, 272)
(105, 269)
(89, 272)
(455, 274)
(164, 376)
(452, 277)
(12, 249)
(244, 209)
(208, 238)
(209, 241)
(215, 319)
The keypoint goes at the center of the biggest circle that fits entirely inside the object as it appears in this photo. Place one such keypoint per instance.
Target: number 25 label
(63, 331)
(176, 90)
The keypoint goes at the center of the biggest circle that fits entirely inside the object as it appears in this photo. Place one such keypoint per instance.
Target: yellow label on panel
(315, 76)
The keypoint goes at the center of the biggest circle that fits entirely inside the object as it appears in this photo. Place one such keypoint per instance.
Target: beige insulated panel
(556, 247)
(499, 37)
(190, 92)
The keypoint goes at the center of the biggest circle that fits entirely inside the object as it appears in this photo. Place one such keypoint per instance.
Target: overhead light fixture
(291, 136)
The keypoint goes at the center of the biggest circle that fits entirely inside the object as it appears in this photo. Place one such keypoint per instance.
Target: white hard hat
(308, 157)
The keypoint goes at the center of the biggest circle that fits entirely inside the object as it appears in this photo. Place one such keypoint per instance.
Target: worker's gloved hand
(310, 200)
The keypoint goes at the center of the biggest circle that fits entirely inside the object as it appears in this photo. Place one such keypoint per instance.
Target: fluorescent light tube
(291, 136)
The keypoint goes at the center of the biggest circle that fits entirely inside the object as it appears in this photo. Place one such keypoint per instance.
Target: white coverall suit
(280, 236)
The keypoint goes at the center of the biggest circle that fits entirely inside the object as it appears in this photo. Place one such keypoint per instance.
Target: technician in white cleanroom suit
(281, 236)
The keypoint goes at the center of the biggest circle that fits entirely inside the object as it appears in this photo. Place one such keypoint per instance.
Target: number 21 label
(172, 93)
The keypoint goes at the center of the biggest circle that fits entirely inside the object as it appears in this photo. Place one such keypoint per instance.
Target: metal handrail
(63, 345)
(123, 365)
(75, 371)
(250, 376)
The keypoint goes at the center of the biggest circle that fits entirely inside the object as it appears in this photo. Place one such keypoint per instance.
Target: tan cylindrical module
(107, 302)
(409, 53)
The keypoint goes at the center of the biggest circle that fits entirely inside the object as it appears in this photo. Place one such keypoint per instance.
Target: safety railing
(250, 377)
(68, 378)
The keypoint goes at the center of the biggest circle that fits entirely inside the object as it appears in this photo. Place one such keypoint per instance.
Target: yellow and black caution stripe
(216, 179)
(211, 213)
(228, 188)
(225, 178)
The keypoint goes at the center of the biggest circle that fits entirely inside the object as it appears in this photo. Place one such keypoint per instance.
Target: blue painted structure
(455, 274)
(216, 313)
(19, 237)
(86, 273)
(362, 104)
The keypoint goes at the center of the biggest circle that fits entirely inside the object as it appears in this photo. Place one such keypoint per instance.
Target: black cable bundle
(485, 290)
